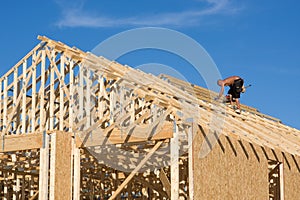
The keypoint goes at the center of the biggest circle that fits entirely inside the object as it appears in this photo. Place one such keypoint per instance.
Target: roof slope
(251, 126)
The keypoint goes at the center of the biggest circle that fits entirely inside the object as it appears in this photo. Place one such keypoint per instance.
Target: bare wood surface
(165, 181)
(21, 142)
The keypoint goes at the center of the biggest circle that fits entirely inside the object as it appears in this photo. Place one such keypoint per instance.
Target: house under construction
(78, 126)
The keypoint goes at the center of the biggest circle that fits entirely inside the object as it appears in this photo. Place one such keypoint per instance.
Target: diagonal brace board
(132, 174)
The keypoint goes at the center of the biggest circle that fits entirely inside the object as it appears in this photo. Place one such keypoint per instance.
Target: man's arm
(221, 91)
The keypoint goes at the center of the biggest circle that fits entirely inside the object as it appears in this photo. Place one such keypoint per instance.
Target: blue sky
(257, 40)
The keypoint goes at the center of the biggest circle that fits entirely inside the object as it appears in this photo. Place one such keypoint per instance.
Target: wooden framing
(190, 161)
(68, 118)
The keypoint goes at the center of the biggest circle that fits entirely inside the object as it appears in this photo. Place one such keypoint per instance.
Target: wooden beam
(61, 92)
(44, 168)
(42, 92)
(21, 142)
(87, 98)
(52, 94)
(5, 104)
(35, 196)
(175, 164)
(24, 92)
(52, 167)
(76, 178)
(165, 181)
(281, 181)
(191, 161)
(33, 91)
(132, 174)
(15, 94)
(117, 137)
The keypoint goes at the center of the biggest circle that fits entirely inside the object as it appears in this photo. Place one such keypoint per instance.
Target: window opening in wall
(275, 180)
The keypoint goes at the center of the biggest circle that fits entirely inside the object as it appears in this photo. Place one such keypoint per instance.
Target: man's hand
(218, 99)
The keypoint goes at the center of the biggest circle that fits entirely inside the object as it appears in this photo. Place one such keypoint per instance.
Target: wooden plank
(52, 167)
(117, 137)
(42, 92)
(132, 174)
(76, 151)
(15, 94)
(35, 196)
(33, 99)
(191, 161)
(52, 94)
(44, 168)
(71, 88)
(100, 97)
(21, 142)
(281, 181)
(5, 104)
(165, 181)
(61, 92)
(77, 174)
(174, 147)
(88, 98)
(15, 190)
(81, 94)
(24, 92)
(112, 104)
(29, 188)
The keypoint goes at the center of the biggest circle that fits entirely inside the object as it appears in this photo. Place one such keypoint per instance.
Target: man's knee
(235, 99)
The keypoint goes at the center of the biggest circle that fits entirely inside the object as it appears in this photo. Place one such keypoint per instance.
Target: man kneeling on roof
(236, 85)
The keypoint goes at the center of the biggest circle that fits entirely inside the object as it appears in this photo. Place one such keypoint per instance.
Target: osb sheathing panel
(291, 171)
(63, 166)
(232, 170)
(291, 176)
